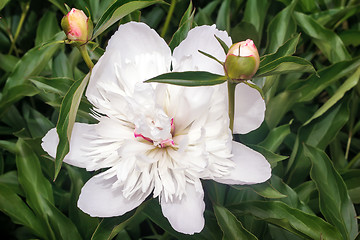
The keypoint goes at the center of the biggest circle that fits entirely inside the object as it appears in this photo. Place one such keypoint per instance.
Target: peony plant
(161, 139)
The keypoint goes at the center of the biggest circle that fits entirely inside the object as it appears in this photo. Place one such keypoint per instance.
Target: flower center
(156, 130)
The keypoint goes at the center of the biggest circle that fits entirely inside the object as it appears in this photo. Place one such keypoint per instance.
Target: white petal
(187, 57)
(251, 167)
(79, 139)
(187, 104)
(249, 109)
(134, 53)
(98, 199)
(186, 215)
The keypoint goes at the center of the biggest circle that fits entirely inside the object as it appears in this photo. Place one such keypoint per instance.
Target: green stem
(21, 22)
(168, 18)
(85, 56)
(231, 93)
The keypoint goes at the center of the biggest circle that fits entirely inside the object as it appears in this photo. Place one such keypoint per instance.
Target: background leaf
(332, 190)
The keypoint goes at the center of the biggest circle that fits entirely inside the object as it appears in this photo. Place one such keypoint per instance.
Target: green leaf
(230, 225)
(307, 90)
(39, 194)
(328, 75)
(243, 31)
(60, 5)
(265, 190)
(276, 137)
(59, 85)
(68, 111)
(3, 3)
(47, 28)
(292, 198)
(287, 49)
(319, 133)
(13, 206)
(10, 180)
(61, 66)
(334, 17)
(203, 15)
(284, 65)
(294, 220)
(327, 41)
(278, 32)
(84, 223)
(108, 228)
(7, 62)
(36, 186)
(189, 79)
(352, 179)
(222, 43)
(184, 27)
(260, 7)
(332, 191)
(273, 158)
(36, 123)
(350, 37)
(32, 63)
(223, 17)
(351, 82)
(118, 10)
(14, 94)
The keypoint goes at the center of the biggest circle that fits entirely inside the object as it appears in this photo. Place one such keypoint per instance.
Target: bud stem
(168, 18)
(21, 22)
(231, 93)
(85, 56)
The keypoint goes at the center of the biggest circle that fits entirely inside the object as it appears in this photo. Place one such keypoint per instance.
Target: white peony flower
(158, 138)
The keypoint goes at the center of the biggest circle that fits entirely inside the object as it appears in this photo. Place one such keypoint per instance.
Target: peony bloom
(158, 138)
(242, 60)
(77, 26)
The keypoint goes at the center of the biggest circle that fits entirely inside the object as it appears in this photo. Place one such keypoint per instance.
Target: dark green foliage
(309, 76)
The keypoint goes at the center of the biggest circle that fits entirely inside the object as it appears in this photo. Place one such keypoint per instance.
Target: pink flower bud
(77, 26)
(242, 60)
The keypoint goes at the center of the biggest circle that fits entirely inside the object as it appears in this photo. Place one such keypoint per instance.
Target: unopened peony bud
(77, 26)
(242, 60)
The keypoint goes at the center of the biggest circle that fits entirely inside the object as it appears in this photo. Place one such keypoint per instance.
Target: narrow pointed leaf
(68, 111)
(335, 203)
(278, 32)
(189, 79)
(351, 82)
(284, 65)
(287, 49)
(184, 27)
(13, 206)
(263, 189)
(291, 219)
(327, 41)
(230, 225)
(223, 44)
(118, 10)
